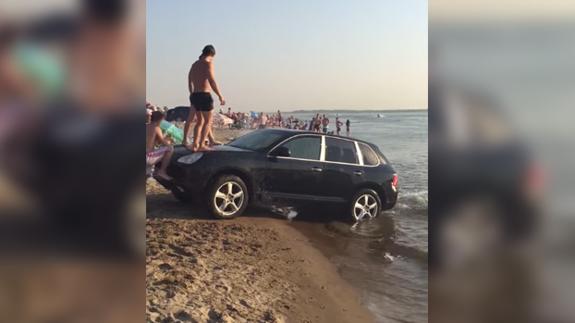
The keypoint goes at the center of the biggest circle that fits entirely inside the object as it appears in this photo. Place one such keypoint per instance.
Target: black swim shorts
(202, 101)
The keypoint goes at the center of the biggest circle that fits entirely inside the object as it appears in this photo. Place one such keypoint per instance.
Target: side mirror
(281, 152)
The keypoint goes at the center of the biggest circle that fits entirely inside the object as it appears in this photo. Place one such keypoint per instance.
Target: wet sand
(256, 268)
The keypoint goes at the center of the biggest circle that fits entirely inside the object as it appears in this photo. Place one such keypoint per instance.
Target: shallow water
(394, 290)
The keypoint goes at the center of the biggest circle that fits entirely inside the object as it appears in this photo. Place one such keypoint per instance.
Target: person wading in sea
(201, 81)
(347, 126)
(325, 124)
(338, 125)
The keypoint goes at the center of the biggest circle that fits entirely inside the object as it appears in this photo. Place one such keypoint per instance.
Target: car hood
(228, 148)
(182, 151)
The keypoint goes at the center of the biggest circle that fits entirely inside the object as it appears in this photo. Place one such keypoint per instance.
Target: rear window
(369, 156)
(304, 147)
(342, 151)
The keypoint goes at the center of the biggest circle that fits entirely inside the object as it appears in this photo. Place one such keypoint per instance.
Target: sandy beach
(256, 268)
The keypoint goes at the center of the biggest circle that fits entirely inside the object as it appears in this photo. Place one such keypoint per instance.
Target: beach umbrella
(222, 120)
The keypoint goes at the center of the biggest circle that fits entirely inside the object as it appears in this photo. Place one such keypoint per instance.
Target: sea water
(394, 290)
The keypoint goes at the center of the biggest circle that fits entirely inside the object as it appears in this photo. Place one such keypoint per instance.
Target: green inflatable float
(171, 130)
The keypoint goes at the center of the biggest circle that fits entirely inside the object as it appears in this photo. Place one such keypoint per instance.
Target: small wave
(374, 228)
(417, 200)
(380, 227)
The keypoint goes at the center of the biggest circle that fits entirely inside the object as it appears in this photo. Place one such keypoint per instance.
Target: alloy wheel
(229, 198)
(365, 205)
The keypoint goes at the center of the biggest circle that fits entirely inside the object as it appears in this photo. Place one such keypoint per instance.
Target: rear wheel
(365, 204)
(228, 197)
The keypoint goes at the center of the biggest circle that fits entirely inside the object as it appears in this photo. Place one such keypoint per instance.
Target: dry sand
(251, 269)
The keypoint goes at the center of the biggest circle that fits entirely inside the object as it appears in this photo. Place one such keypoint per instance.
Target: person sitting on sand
(154, 136)
(201, 81)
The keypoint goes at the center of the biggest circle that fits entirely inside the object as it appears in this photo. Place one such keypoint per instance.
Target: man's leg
(165, 163)
(198, 131)
(191, 116)
(212, 139)
(207, 117)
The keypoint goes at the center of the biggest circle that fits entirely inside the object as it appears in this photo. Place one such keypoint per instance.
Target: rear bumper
(389, 198)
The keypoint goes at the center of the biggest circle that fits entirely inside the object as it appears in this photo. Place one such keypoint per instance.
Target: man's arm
(214, 85)
(160, 137)
(190, 85)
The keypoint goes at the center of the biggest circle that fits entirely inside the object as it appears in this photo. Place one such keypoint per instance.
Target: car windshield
(257, 140)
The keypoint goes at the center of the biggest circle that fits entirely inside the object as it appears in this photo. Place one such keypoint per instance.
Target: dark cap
(209, 50)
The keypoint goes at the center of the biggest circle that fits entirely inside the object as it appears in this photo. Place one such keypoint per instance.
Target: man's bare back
(199, 76)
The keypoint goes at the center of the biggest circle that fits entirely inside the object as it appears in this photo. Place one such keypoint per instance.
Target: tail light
(394, 182)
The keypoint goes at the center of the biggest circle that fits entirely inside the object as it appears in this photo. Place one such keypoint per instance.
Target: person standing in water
(201, 81)
(325, 124)
(317, 123)
(347, 126)
(338, 125)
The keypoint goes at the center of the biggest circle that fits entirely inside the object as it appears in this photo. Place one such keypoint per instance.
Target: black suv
(286, 167)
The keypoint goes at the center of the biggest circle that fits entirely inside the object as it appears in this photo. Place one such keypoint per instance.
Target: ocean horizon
(358, 110)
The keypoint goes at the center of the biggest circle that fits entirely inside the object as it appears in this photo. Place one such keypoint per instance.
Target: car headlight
(191, 158)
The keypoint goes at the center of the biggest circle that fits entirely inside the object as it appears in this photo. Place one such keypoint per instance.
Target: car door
(342, 171)
(295, 176)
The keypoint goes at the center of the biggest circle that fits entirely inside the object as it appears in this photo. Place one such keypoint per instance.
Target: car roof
(292, 132)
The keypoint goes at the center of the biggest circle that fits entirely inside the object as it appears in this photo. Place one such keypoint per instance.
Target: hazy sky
(328, 54)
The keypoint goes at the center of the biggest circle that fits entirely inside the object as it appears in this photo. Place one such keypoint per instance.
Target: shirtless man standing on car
(201, 81)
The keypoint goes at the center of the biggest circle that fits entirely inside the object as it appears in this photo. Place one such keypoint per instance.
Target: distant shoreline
(365, 110)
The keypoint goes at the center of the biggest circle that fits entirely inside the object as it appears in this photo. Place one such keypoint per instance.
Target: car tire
(364, 204)
(227, 197)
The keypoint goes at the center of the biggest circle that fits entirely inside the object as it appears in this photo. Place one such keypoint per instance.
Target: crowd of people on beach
(255, 120)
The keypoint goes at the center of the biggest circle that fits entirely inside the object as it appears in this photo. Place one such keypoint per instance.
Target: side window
(369, 156)
(305, 147)
(342, 151)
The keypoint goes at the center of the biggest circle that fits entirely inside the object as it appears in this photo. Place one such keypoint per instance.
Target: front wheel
(228, 197)
(365, 204)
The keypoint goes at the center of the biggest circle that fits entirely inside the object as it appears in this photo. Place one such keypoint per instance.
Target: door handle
(317, 169)
(358, 172)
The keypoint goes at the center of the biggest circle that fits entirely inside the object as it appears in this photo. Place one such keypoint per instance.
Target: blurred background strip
(501, 92)
(72, 208)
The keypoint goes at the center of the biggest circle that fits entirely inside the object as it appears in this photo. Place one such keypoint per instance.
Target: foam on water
(413, 200)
